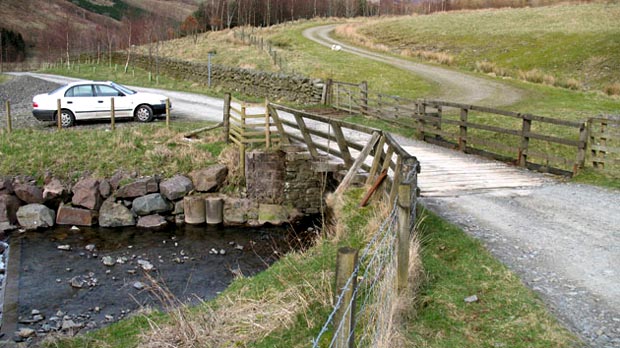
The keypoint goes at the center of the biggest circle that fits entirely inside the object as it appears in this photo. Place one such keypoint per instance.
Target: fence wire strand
(374, 295)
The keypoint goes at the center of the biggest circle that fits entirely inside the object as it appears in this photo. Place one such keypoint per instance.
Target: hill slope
(564, 42)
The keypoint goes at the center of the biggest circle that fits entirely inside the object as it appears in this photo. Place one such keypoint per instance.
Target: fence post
(344, 323)
(168, 113)
(9, 125)
(525, 140)
(405, 206)
(421, 120)
(226, 117)
(58, 114)
(364, 96)
(581, 151)
(326, 95)
(267, 125)
(242, 141)
(112, 114)
(463, 130)
(438, 123)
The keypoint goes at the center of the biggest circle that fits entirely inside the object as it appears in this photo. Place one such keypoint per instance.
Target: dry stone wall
(261, 84)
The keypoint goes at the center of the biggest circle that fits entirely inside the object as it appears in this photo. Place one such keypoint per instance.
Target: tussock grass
(613, 89)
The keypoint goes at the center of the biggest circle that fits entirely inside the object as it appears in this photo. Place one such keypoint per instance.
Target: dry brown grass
(437, 57)
(612, 89)
(534, 76)
(571, 83)
(236, 319)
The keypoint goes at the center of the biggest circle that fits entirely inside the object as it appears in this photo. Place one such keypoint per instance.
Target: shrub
(534, 75)
(549, 80)
(571, 83)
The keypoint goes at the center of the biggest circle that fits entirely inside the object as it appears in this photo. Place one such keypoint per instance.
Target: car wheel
(144, 113)
(66, 118)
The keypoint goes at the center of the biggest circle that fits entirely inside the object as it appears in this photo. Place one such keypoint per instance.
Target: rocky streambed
(71, 280)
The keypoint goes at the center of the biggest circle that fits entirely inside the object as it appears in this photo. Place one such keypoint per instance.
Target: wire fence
(366, 301)
(263, 45)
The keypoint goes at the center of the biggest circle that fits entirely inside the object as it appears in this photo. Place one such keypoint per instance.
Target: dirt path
(453, 85)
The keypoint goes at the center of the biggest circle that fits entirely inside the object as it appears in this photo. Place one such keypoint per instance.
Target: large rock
(114, 214)
(8, 208)
(6, 186)
(33, 216)
(209, 179)
(272, 213)
(105, 189)
(86, 194)
(152, 221)
(68, 215)
(54, 189)
(151, 204)
(28, 192)
(176, 187)
(239, 211)
(138, 188)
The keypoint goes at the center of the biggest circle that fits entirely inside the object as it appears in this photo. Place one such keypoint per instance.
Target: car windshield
(123, 89)
(57, 89)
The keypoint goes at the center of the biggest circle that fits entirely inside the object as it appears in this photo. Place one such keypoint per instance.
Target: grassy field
(578, 42)
(146, 148)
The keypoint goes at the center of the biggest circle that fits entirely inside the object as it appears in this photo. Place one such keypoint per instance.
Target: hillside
(552, 44)
(41, 23)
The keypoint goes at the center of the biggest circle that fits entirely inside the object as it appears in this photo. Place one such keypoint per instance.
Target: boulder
(33, 216)
(176, 187)
(209, 179)
(68, 215)
(86, 194)
(272, 213)
(6, 186)
(152, 221)
(151, 204)
(238, 211)
(28, 192)
(114, 214)
(8, 208)
(6, 226)
(105, 189)
(178, 208)
(138, 188)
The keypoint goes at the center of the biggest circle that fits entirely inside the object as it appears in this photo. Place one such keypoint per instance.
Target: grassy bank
(142, 148)
(565, 42)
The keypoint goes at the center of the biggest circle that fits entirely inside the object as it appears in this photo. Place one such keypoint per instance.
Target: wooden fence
(362, 150)
(245, 129)
(537, 142)
(605, 143)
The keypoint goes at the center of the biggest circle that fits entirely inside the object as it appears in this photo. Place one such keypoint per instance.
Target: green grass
(507, 313)
(312, 59)
(144, 148)
(566, 41)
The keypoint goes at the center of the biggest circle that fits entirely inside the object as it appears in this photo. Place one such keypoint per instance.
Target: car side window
(107, 91)
(80, 91)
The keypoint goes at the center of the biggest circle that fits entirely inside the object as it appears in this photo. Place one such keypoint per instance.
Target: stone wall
(261, 84)
(285, 177)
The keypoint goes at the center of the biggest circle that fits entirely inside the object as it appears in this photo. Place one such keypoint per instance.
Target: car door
(80, 99)
(122, 104)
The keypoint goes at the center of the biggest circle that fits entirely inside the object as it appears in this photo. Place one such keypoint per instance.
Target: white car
(85, 100)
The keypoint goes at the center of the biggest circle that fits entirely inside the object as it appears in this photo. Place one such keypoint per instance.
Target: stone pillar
(214, 210)
(194, 207)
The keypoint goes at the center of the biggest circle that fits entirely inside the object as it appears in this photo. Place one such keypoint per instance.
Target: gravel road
(454, 86)
(562, 239)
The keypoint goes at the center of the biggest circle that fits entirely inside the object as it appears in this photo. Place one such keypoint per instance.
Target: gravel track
(454, 86)
(562, 239)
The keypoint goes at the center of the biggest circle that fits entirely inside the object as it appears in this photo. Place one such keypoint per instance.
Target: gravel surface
(19, 92)
(562, 239)
(454, 86)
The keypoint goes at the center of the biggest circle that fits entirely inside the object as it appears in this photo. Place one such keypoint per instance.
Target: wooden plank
(492, 145)
(389, 139)
(553, 139)
(397, 173)
(321, 147)
(374, 188)
(607, 149)
(278, 122)
(378, 154)
(357, 164)
(342, 144)
(356, 127)
(387, 161)
(307, 137)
